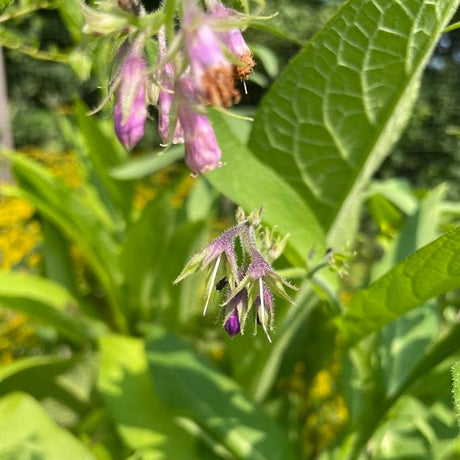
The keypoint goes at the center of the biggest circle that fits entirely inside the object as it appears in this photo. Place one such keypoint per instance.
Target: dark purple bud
(232, 325)
(212, 72)
(130, 111)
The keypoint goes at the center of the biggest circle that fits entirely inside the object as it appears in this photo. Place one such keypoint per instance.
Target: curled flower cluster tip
(249, 283)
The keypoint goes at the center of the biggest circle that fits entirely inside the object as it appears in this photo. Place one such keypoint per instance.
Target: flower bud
(232, 325)
(103, 21)
(130, 111)
(212, 72)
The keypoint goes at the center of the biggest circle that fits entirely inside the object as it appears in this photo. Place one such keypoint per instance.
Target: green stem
(364, 431)
(454, 26)
(277, 33)
(32, 51)
(27, 10)
(271, 358)
(169, 11)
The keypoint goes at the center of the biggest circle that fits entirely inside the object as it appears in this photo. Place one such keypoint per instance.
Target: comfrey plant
(249, 281)
(199, 66)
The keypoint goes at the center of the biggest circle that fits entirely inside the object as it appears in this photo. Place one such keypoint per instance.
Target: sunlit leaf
(28, 432)
(189, 385)
(249, 183)
(143, 422)
(48, 302)
(431, 271)
(332, 117)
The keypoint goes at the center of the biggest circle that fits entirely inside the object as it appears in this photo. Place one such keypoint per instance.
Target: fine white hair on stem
(211, 284)
(262, 309)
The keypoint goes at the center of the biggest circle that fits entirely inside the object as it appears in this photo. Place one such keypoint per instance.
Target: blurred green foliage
(113, 361)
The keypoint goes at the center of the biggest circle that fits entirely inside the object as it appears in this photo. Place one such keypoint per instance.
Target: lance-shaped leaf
(49, 303)
(329, 121)
(428, 272)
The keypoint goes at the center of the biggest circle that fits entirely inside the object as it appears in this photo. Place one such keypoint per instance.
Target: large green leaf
(142, 420)
(330, 120)
(249, 183)
(48, 302)
(428, 272)
(188, 384)
(28, 432)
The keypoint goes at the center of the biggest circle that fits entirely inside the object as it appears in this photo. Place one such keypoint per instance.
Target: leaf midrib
(365, 171)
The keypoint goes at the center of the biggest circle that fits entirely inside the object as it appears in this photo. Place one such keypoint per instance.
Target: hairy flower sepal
(218, 254)
(260, 281)
(107, 19)
(249, 281)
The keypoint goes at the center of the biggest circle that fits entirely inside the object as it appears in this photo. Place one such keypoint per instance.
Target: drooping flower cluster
(250, 282)
(198, 66)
